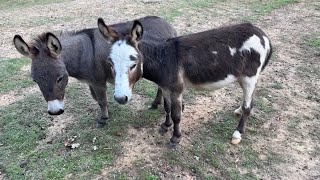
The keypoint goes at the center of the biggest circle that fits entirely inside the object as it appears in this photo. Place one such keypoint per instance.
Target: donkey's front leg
(176, 111)
(166, 125)
(99, 94)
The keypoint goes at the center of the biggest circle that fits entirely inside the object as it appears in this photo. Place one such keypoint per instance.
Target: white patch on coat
(254, 42)
(120, 56)
(232, 50)
(236, 135)
(55, 106)
(214, 52)
(217, 85)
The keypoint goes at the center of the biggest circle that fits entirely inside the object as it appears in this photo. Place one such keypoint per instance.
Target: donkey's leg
(93, 94)
(164, 127)
(176, 111)
(248, 85)
(157, 100)
(238, 111)
(99, 94)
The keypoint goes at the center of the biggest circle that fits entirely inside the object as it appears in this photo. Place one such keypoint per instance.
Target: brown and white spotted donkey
(207, 60)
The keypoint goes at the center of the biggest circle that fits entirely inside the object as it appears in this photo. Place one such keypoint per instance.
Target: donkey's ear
(53, 45)
(137, 31)
(106, 31)
(21, 45)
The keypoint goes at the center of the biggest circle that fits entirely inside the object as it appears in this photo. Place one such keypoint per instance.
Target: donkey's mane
(40, 40)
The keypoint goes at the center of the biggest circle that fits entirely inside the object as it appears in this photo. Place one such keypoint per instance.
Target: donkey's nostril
(57, 112)
(122, 99)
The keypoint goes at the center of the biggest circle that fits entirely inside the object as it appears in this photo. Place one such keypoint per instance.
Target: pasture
(282, 136)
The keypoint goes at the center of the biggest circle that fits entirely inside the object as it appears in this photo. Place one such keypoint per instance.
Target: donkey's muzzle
(56, 113)
(121, 99)
(55, 107)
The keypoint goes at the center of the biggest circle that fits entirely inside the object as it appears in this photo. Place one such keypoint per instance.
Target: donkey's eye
(133, 66)
(59, 80)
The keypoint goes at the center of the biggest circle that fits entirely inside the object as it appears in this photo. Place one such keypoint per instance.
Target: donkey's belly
(211, 86)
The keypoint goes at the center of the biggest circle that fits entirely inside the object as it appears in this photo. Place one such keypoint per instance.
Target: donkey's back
(224, 54)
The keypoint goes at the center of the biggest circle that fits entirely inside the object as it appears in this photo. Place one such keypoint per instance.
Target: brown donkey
(206, 60)
(81, 55)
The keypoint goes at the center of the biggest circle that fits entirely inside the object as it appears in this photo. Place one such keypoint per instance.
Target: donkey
(81, 55)
(206, 60)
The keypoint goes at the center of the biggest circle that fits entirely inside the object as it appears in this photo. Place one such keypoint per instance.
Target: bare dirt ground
(294, 125)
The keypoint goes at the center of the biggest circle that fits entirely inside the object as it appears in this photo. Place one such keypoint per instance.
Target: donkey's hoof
(163, 129)
(152, 107)
(235, 141)
(238, 112)
(236, 137)
(100, 125)
(173, 145)
(175, 139)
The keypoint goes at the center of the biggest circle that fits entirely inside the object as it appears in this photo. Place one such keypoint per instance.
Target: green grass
(13, 4)
(314, 42)
(263, 8)
(39, 21)
(146, 87)
(148, 175)
(48, 21)
(277, 85)
(25, 123)
(213, 151)
(11, 77)
(202, 3)
(181, 7)
(173, 14)
(264, 105)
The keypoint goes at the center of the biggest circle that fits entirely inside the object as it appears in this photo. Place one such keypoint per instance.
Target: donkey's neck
(77, 54)
(157, 59)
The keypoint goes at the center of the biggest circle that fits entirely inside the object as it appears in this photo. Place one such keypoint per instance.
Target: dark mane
(39, 41)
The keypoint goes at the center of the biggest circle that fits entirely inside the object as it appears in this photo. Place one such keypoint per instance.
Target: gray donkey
(81, 55)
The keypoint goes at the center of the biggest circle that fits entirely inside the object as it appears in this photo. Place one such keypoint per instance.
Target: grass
(214, 154)
(182, 7)
(173, 14)
(12, 77)
(314, 42)
(25, 123)
(277, 85)
(39, 21)
(265, 7)
(200, 4)
(146, 87)
(14, 4)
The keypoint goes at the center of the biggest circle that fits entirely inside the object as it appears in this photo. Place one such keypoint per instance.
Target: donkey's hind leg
(248, 85)
(157, 100)
(98, 92)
